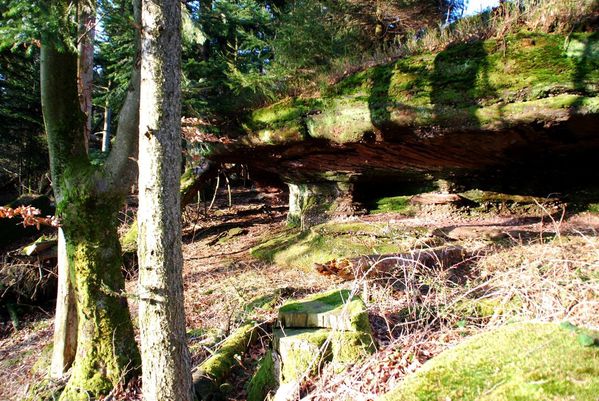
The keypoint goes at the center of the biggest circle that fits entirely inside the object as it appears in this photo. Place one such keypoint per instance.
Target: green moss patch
(484, 308)
(264, 380)
(325, 242)
(526, 361)
(397, 204)
(129, 239)
(593, 207)
(342, 120)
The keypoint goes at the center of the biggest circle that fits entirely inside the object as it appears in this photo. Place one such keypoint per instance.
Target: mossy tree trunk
(165, 356)
(65, 332)
(88, 199)
(106, 350)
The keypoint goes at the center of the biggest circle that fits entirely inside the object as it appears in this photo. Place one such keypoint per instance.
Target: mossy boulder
(519, 110)
(304, 352)
(524, 361)
(337, 310)
(485, 84)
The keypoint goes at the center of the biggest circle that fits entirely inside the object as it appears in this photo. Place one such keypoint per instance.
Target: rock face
(328, 328)
(520, 111)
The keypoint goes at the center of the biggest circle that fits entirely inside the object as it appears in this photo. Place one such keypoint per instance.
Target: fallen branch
(213, 371)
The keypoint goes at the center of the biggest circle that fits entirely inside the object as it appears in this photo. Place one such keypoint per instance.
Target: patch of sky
(478, 6)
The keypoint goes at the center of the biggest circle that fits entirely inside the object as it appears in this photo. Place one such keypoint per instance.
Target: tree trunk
(106, 349)
(85, 68)
(165, 356)
(87, 204)
(65, 320)
(106, 130)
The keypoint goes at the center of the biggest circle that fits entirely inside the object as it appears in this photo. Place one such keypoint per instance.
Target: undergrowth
(418, 312)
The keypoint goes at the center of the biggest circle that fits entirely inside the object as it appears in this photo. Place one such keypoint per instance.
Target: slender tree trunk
(65, 320)
(85, 68)
(165, 356)
(106, 131)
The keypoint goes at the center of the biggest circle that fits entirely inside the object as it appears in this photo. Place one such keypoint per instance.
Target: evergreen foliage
(115, 57)
(23, 150)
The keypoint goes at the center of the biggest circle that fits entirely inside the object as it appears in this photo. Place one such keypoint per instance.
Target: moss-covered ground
(528, 361)
(329, 241)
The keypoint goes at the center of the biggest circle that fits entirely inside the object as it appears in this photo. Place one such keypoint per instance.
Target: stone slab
(335, 310)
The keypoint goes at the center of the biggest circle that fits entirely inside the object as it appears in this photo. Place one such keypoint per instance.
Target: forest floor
(542, 266)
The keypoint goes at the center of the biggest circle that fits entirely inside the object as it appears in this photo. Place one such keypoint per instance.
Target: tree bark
(165, 356)
(65, 319)
(106, 350)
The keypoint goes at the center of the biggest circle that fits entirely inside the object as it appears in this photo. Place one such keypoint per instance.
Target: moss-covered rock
(304, 352)
(351, 347)
(518, 112)
(487, 84)
(330, 327)
(336, 310)
(525, 361)
(264, 380)
(311, 204)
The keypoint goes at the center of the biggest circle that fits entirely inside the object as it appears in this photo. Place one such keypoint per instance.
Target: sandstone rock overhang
(527, 102)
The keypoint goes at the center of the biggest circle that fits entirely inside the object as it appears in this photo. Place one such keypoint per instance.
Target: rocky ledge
(516, 111)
